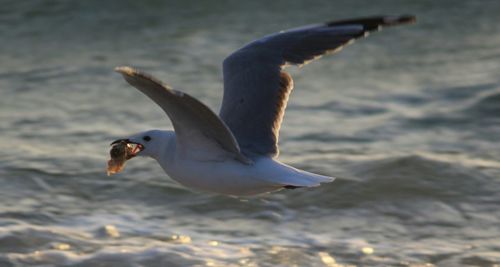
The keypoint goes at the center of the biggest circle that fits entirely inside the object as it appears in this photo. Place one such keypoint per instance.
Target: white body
(224, 176)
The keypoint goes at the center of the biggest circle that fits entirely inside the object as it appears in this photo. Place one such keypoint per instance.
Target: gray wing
(256, 89)
(199, 131)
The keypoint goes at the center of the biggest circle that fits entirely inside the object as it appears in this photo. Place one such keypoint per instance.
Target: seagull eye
(146, 138)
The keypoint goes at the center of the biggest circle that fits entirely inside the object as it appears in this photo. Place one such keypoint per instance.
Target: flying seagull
(235, 152)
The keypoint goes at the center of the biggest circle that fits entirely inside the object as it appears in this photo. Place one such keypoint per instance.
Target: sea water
(408, 119)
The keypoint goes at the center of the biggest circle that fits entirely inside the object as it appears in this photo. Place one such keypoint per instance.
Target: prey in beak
(118, 148)
(121, 151)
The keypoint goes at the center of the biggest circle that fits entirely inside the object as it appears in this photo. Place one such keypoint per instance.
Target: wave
(487, 106)
(405, 179)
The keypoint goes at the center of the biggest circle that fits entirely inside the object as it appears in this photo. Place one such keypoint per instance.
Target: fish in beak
(121, 151)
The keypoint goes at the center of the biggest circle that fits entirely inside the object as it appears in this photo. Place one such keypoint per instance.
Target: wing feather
(256, 89)
(199, 131)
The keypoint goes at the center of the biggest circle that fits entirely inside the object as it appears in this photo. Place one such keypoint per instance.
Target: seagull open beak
(133, 147)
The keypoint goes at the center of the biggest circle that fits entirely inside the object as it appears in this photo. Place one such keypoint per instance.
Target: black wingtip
(375, 22)
(404, 19)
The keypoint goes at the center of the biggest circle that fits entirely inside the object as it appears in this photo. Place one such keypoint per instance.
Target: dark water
(407, 118)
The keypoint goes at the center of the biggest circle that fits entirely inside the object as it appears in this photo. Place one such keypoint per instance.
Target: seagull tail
(307, 179)
(286, 176)
(299, 178)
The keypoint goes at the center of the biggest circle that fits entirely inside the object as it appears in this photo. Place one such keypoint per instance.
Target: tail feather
(301, 178)
(310, 179)
(284, 175)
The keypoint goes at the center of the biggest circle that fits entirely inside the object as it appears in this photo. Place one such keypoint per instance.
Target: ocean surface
(408, 119)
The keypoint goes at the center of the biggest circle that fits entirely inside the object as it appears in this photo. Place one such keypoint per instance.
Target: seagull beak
(134, 147)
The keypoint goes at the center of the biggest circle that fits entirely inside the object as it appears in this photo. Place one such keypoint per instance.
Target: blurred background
(407, 119)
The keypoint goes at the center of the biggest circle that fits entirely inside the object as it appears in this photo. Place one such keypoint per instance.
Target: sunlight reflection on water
(407, 119)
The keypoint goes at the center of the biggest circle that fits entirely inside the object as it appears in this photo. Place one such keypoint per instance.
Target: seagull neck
(166, 149)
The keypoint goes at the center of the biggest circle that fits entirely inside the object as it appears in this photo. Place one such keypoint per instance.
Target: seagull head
(147, 143)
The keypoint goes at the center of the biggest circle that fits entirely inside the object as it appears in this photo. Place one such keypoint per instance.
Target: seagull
(235, 153)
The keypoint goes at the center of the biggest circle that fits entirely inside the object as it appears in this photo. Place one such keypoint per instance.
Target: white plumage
(236, 152)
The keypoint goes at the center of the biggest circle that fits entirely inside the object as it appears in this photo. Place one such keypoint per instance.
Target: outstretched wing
(256, 89)
(200, 133)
